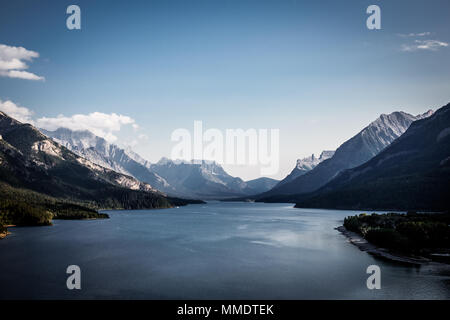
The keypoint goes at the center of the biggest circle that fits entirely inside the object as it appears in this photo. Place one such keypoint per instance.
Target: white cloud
(420, 34)
(101, 124)
(15, 111)
(132, 144)
(431, 45)
(12, 62)
(20, 75)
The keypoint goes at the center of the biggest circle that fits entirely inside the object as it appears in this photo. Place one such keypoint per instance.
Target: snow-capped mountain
(412, 173)
(99, 151)
(30, 160)
(205, 180)
(133, 155)
(261, 184)
(360, 148)
(306, 164)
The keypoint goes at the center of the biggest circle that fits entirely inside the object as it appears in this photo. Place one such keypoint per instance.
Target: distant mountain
(352, 153)
(30, 160)
(304, 165)
(172, 177)
(260, 185)
(413, 173)
(99, 151)
(205, 180)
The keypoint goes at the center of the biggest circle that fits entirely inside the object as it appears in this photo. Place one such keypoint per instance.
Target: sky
(138, 70)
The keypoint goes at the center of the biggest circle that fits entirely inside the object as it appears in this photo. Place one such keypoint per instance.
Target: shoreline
(372, 249)
(4, 234)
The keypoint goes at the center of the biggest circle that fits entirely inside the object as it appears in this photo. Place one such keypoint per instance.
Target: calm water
(212, 251)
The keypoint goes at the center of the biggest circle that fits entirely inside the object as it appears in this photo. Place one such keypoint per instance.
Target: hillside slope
(352, 153)
(108, 155)
(413, 173)
(29, 160)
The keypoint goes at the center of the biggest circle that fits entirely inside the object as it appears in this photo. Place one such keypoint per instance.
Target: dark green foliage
(23, 214)
(25, 207)
(426, 234)
(28, 208)
(65, 210)
(412, 232)
(183, 202)
(425, 191)
(121, 198)
(388, 238)
(352, 223)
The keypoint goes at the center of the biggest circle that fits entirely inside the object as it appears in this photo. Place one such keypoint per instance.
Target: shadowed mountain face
(412, 173)
(30, 160)
(354, 152)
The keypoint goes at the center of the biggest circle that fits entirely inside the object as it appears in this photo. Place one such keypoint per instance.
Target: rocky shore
(366, 246)
(4, 231)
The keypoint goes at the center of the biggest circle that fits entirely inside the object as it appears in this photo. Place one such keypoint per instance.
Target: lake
(211, 251)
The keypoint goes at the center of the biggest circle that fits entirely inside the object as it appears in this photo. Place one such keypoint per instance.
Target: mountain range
(108, 155)
(193, 179)
(31, 161)
(397, 161)
(412, 173)
(207, 180)
(352, 153)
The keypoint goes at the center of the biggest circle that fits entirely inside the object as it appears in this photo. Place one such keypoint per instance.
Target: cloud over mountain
(101, 124)
(17, 112)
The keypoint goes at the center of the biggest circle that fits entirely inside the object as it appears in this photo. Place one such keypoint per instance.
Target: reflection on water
(212, 251)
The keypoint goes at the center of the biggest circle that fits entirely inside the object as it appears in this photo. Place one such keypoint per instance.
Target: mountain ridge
(188, 179)
(31, 160)
(358, 149)
(206, 179)
(99, 151)
(305, 165)
(412, 173)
